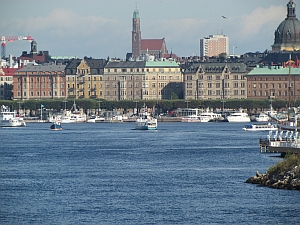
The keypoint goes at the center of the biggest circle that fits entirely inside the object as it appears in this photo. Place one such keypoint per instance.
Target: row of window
(280, 85)
(43, 93)
(217, 93)
(149, 70)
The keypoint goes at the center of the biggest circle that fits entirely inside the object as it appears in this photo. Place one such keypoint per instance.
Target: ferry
(146, 122)
(260, 127)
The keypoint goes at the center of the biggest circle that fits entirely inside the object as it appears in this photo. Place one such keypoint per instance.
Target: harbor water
(110, 173)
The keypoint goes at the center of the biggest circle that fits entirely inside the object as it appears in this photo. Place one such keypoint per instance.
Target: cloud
(255, 22)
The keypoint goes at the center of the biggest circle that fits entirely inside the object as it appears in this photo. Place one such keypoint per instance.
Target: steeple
(136, 35)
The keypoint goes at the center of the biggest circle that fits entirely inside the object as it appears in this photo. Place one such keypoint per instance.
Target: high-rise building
(214, 45)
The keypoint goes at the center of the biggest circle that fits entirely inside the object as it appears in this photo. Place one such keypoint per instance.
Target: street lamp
(187, 104)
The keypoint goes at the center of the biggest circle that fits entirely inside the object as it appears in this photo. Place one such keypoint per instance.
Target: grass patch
(289, 162)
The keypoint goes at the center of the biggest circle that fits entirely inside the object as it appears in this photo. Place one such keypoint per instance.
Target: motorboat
(210, 116)
(260, 127)
(191, 119)
(10, 119)
(239, 117)
(73, 117)
(146, 122)
(95, 119)
(262, 117)
(56, 126)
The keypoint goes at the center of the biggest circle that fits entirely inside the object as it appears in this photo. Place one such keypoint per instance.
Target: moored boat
(239, 117)
(10, 119)
(191, 119)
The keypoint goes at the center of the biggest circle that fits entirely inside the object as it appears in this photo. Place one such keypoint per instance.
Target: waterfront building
(142, 47)
(84, 78)
(6, 82)
(274, 82)
(215, 81)
(287, 34)
(214, 45)
(45, 81)
(145, 80)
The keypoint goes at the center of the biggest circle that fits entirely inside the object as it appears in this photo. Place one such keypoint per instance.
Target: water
(183, 173)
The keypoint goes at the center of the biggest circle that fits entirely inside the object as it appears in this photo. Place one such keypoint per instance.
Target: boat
(56, 126)
(191, 119)
(262, 117)
(145, 121)
(281, 142)
(210, 117)
(95, 119)
(260, 127)
(239, 117)
(10, 119)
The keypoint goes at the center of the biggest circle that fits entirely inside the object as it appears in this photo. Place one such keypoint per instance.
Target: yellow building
(84, 78)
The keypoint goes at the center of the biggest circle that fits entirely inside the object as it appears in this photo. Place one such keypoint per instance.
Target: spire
(136, 12)
(291, 6)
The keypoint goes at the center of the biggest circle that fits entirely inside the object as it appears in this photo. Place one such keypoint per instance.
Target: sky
(101, 29)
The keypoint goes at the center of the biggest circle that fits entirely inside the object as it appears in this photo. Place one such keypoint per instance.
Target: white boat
(210, 116)
(260, 127)
(10, 119)
(146, 122)
(262, 117)
(73, 117)
(239, 117)
(95, 119)
(191, 119)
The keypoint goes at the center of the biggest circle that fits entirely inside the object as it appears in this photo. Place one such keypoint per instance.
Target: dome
(287, 34)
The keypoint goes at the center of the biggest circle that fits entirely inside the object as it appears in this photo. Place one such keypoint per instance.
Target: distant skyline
(101, 29)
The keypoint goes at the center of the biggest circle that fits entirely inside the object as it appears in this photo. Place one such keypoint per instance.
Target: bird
(224, 17)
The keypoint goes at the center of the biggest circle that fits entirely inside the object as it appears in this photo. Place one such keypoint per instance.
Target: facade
(214, 45)
(276, 82)
(142, 80)
(84, 78)
(287, 34)
(142, 47)
(40, 82)
(215, 81)
(6, 82)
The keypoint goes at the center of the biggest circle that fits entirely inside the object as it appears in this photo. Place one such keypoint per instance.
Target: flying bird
(224, 17)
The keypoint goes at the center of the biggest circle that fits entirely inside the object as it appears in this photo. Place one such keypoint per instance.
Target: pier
(278, 146)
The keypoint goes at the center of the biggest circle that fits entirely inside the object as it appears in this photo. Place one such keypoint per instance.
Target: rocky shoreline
(284, 180)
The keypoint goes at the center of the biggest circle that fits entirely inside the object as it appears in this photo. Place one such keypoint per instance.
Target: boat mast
(289, 88)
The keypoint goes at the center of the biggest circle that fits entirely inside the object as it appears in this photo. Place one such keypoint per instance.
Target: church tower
(136, 35)
(287, 34)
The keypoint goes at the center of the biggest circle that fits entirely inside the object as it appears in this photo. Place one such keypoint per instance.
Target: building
(287, 34)
(45, 81)
(34, 55)
(215, 81)
(214, 45)
(84, 78)
(276, 82)
(6, 82)
(142, 47)
(142, 80)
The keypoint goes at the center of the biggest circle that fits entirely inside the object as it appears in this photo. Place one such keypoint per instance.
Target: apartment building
(84, 78)
(45, 81)
(274, 82)
(146, 80)
(215, 81)
(214, 45)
